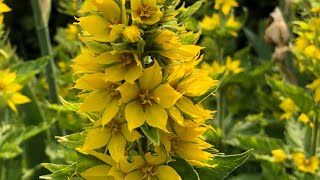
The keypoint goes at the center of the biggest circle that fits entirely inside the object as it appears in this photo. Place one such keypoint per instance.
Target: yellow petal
(192, 151)
(117, 146)
(109, 9)
(91, 82)
(165, 95)
(11, 105)
(18, 98)
(134, 135)
(128, 92)
(99, 172)
(186, 105)
(156, 116)
(317, 95)
(176, 115)
(134, 114)
(111, 110)
(95, 101)
(157, 159)
(151, 77)
(107, 58)
(134, 175)
(115, 73)
(166, 172)
(103, 157)
(116, 174)
(4, 8)
(133, 73)
(97, 27)
(96, 138)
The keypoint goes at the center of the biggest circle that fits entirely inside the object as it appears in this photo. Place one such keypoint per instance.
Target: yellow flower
(71, 32)
(115, 135)
(148, 99)
(305, 165)
(211, 23)
(145, 11)
(132, 33)
(187, 142)
(315, 85)
(233, 66)
(150, 167)
(105, 28)
(288, 107)
(9, 90)
(304, 118)
(232, 26)
(279, 155)
(167, 40)
(225, 5)
(102, 96)
(214, 69)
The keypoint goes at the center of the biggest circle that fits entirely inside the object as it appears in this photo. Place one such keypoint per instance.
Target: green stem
(46, 49)
(314, 136)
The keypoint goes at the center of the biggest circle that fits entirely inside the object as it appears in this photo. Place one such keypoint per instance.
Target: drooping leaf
(184, 169)
(59, 172)
(151, 133)
(226, 164)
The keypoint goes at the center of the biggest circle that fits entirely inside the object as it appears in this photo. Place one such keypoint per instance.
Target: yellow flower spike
(145, 11)
(278, 155)
(9, 90)
(305, 165)
(225, 5)
(211, 23)
(148, 100)
(97, 172)
(131, 33)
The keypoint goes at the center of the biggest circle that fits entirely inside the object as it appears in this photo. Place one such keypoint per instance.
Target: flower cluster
(222, 23)
(138, 80)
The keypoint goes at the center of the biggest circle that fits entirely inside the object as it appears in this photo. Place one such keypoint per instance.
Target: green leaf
(226, 164)
(299, 95)
(189, 12)
(97, 46)
(73, 140)
(151, 133)
(298, 135)
(85, 162)
(260, 144)
(59, 172)
(26, 70)
(184, 169)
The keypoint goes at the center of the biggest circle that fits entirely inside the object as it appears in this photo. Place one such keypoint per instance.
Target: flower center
(174, 143)
(307, 162)
(148, 172)
(146, 98)
(115, 128)
(146, 11)
(113, 90)
(126, 60)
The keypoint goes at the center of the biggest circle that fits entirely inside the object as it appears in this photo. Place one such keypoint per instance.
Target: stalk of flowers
(138, 79)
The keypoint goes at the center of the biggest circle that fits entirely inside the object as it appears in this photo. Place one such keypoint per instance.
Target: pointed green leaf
(226, 164)
(73, 140)
(184, 169)
(260, 144)
(151, 133)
